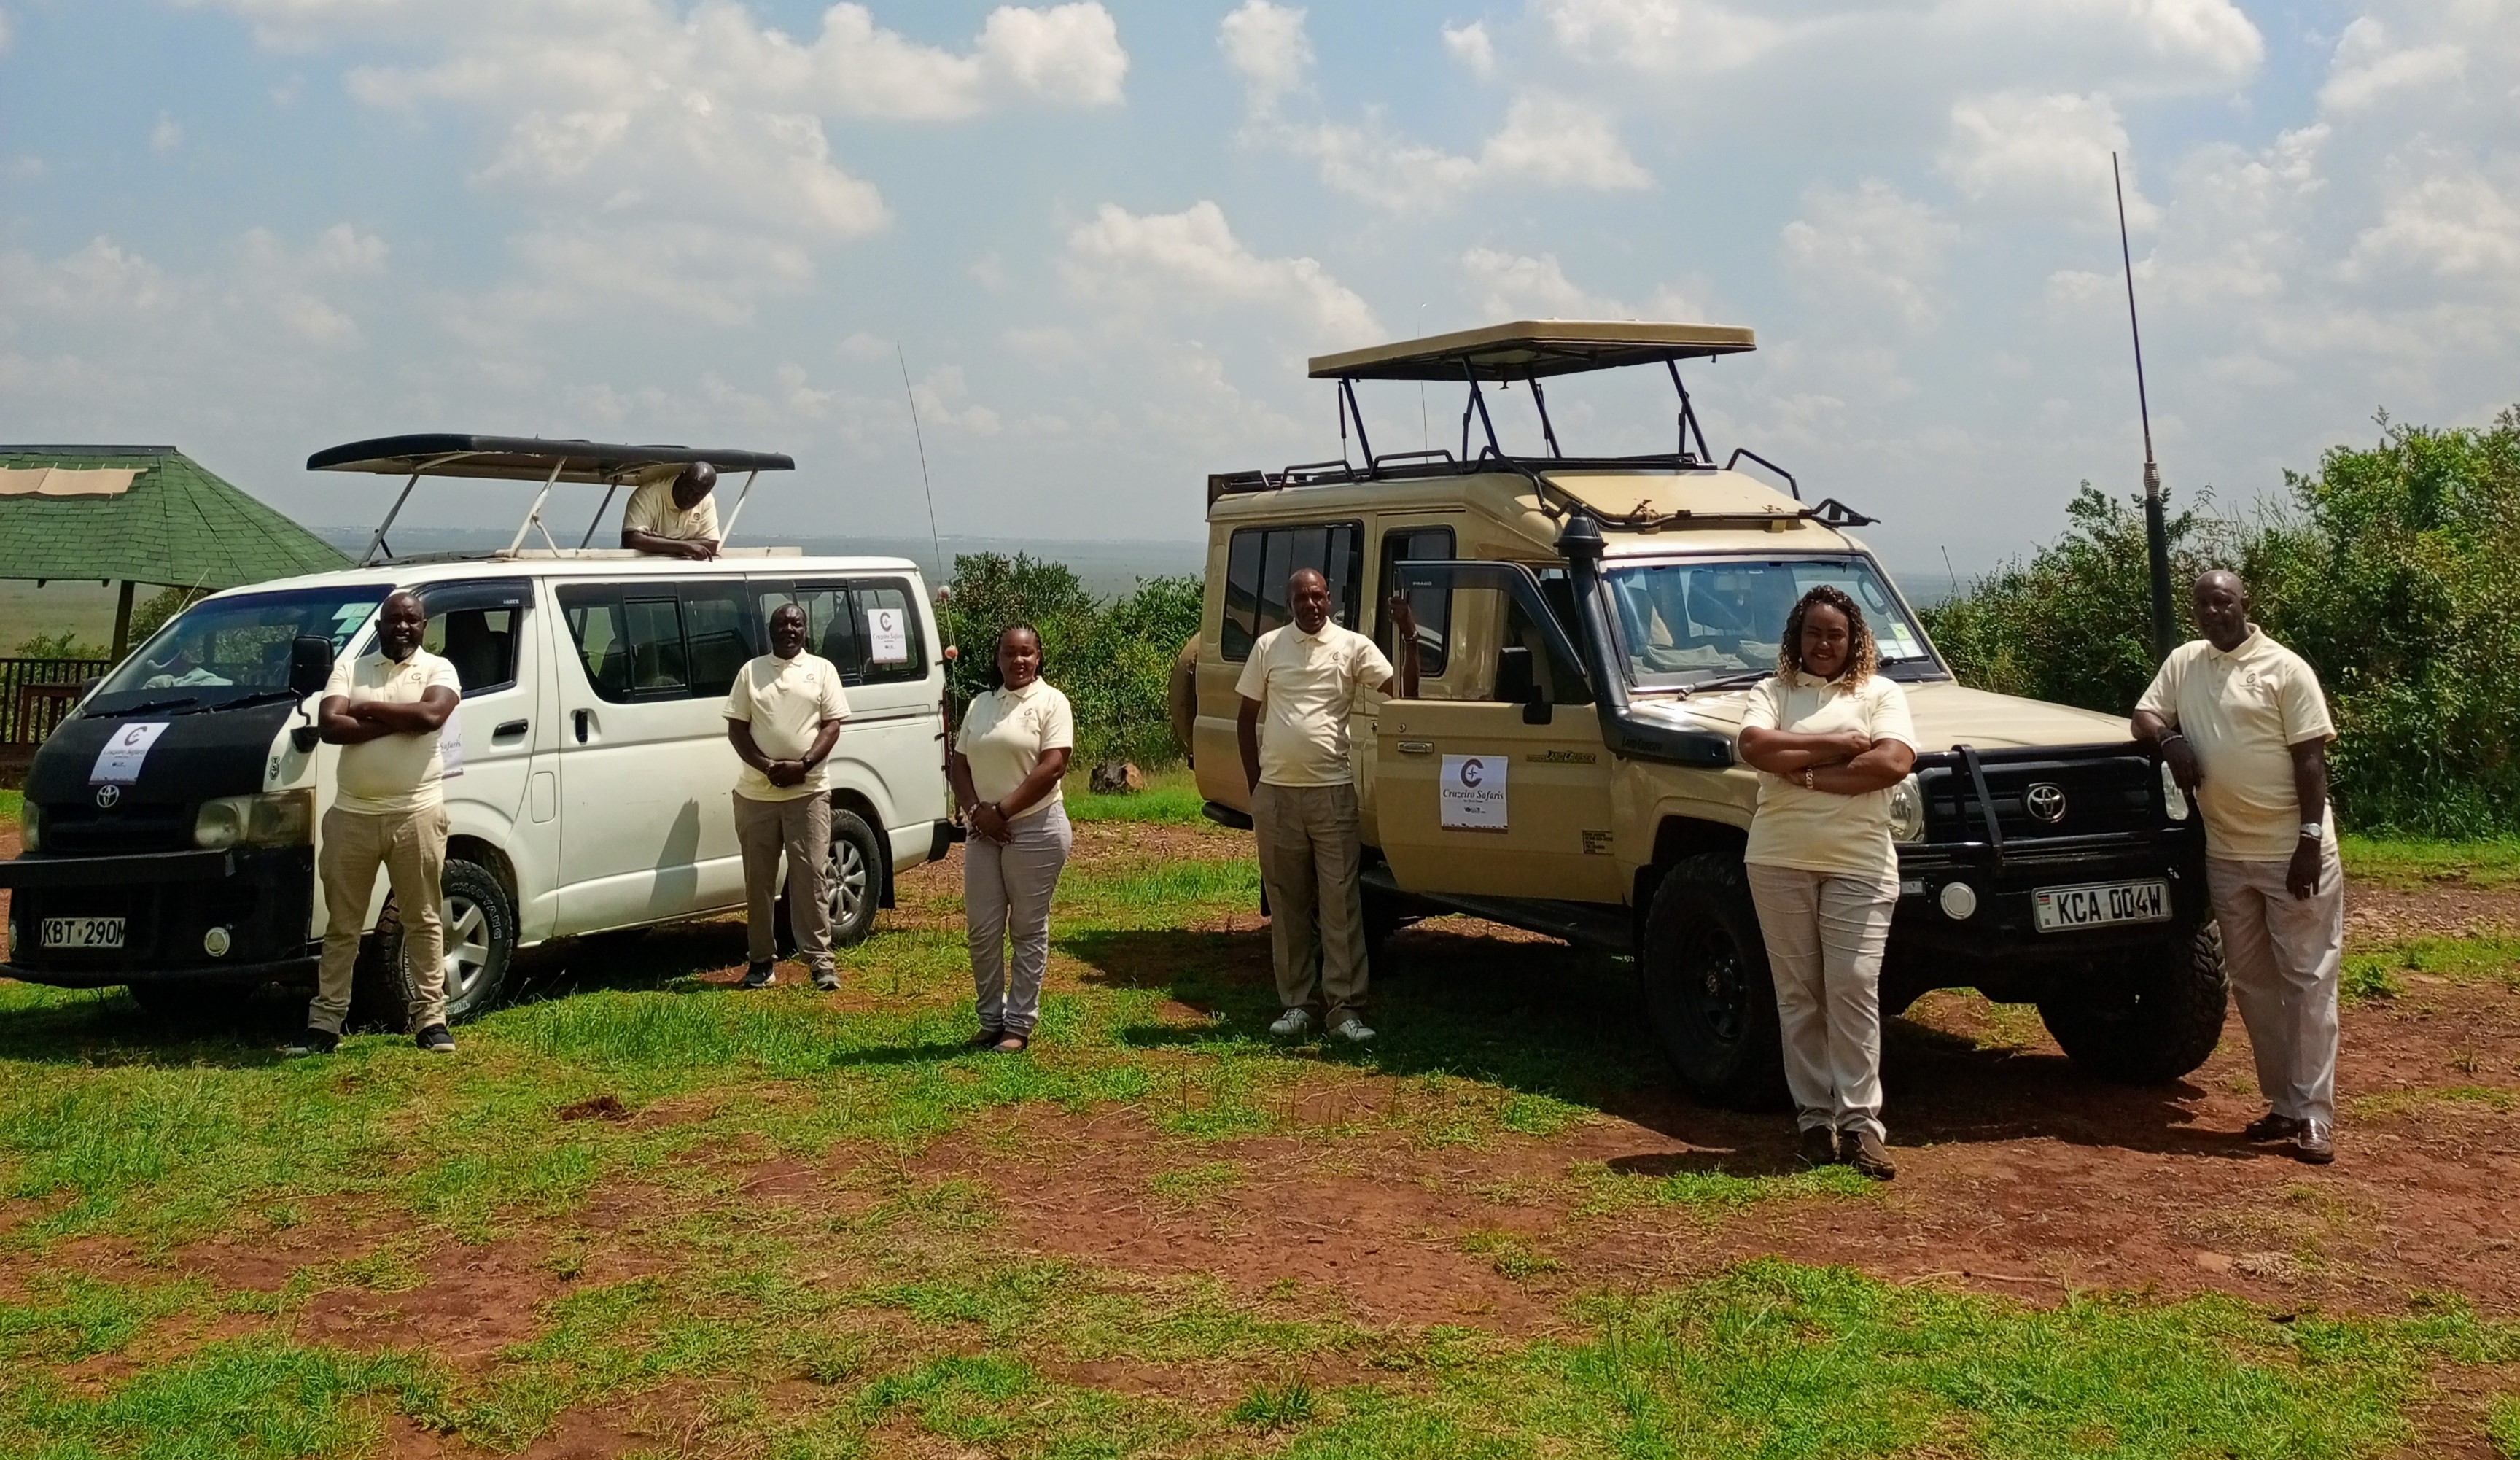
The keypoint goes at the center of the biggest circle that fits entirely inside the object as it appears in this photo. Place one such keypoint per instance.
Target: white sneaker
(1292, 1024)
(1353, 1030)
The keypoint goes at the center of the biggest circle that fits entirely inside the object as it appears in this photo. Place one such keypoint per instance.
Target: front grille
(2100, 794)
(71, 829)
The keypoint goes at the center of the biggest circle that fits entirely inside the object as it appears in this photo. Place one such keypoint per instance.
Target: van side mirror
(1514, 680)
(310, 665)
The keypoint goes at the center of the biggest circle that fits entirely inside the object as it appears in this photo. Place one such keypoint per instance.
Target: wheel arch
(1677, 839)
(850, 799)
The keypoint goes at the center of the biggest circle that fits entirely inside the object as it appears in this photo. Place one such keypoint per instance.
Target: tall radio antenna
(935, 544)
(2156, 532)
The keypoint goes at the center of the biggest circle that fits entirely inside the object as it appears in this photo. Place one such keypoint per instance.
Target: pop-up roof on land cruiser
(1635, 492)
(531, 459)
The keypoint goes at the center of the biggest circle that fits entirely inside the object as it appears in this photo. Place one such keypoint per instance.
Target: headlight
(1908, 811)
(279, 818)
(30, 828)
(2172, 799)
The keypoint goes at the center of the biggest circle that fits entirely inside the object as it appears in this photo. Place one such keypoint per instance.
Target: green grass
(1171, 799)
(2412, 863)
(13, 806)
(2382, 973)
(2503, 1424)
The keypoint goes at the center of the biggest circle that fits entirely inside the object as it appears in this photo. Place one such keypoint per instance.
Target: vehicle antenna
(935, 544)
(2156, 532)
(1947, 567)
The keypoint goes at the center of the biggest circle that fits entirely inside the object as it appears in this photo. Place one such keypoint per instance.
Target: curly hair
(1862, 656)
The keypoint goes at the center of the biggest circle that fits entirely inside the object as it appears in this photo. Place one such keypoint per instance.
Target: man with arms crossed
(674, 516)
(783, 715)
(385, 711)
(2245, 730)
(1303, 678)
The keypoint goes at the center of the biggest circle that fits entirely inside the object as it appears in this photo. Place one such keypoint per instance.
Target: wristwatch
(1807, 779)
(2313, 831)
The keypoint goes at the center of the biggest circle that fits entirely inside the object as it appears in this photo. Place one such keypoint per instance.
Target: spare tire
(1180, 696)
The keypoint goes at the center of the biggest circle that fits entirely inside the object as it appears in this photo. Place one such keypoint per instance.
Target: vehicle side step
(1590, 923)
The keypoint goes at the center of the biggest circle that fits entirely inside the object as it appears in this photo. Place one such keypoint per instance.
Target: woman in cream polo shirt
(1830, 738)
(1007, 765)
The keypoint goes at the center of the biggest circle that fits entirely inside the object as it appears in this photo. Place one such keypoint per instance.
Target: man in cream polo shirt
(674, 516)
(1299, 688)
(783, 715)
(385, 711)
(2242, 723)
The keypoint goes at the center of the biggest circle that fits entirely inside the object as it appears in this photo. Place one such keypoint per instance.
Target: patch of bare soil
(2378, 916)
(469, 1304)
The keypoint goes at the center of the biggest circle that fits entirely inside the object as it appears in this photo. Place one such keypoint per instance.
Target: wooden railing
(36, 693)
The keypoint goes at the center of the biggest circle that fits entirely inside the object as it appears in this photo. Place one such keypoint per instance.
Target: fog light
(1960, 901)
(216, 942)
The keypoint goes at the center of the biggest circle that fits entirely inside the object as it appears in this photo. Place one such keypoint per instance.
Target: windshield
(1684, 624)
(230, 648)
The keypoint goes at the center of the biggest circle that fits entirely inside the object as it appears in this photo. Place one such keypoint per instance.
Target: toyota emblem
(2047, 802)
(107, 796)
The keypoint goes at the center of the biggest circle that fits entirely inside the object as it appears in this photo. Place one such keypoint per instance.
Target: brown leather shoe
(1868, 1155)
(2271, 1128)
(1819, 1147)
(2316, 1144)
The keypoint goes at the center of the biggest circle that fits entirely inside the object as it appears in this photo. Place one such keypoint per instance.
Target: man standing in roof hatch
(674, 516)
(385, 712)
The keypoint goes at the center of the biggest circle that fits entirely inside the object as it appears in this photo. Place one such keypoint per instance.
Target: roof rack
(530, 459)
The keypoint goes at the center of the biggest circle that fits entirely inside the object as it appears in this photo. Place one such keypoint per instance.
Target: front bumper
(168, 901)
(2003, 928)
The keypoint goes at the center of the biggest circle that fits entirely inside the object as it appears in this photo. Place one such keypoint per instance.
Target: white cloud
(1560, 142)
(102, 278)
(1191, 262)
(2459, 226)
(1267, 49)
(166, 135)
(1694, 37)
(1471, 46)
(1517, 286)
(4, 31)
(2368, 73)
(2041, 154)
(1871, 248)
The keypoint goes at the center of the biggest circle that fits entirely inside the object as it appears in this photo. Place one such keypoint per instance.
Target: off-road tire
(853, 879)
(1707, 988)
(481, 940)
(2148, 1016)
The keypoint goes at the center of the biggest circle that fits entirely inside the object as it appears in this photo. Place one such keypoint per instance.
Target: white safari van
(170, 823)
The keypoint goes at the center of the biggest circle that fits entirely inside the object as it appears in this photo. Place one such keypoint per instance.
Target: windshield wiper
(147, 707)
(1729, 681)
(258, 697)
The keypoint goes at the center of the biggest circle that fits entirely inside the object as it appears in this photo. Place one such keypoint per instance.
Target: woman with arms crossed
(1830, 738)
(1006, 763)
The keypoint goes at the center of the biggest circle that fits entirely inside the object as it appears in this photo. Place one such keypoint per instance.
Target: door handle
(1417, 748)
(509, 730)
(582, 717)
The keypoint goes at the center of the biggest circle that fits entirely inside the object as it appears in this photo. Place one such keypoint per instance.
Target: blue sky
(1106, 236)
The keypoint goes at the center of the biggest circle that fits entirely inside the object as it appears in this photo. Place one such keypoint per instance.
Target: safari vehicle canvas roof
(1531, 349)
(549, 460)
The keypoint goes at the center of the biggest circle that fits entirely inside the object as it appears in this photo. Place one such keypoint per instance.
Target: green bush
(2395, 570)
(1111, 659)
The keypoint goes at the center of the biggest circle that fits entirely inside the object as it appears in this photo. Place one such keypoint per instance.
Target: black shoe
(1869, 1154)
(436, 1040)
(314, 1042)
(1819, 1147)
(2271, 1128)
(2314, 1144)
(759, 976)
(828, 981)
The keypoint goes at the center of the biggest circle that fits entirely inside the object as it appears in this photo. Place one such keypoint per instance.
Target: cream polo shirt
(392, 773)
(652, 509)
(2242, 713)
(786, 702)
(1004, 733)
(1821, 830)
(1306, 685)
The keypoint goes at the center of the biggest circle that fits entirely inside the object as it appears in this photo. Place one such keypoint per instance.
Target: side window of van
(1432, 604)
(1258, 560)
(659, 668)
(830, 622)
(475, 627)
(889, 632)
(720, 634)
(594, 614)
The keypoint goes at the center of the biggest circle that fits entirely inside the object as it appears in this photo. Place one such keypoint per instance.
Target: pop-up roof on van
(1531, 349)
(531, 459)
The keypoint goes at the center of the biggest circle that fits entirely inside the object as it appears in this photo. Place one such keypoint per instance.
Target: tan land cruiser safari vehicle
(1587, 631)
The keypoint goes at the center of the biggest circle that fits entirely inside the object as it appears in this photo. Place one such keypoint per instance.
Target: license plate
(82, 932)
(2099, 905)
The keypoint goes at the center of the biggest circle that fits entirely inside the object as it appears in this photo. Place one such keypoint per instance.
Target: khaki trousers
(411, 845)
(1825, 936)
(1007, 887)
(800, 827)
(2284, 956)
(1310, 855)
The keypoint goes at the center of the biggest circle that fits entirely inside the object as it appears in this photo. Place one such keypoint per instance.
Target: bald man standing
(2244, 728)
(1299, 688)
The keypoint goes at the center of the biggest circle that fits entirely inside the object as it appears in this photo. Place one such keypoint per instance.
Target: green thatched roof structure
(69, 512)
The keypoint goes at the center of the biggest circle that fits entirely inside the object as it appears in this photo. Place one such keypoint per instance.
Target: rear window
(647, 640)
(1258, 560)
